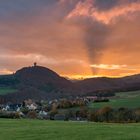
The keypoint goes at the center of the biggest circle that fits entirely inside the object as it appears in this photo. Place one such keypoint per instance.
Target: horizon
(78, 39)
(76, 77)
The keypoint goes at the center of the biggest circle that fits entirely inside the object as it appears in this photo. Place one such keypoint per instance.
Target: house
(12, 107)
(43, 113)
(53, 101)
(32, 106)
(91, 98)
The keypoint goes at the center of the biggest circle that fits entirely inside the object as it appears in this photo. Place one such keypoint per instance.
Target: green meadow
(54, 130)
(122, 99)
(6, 90)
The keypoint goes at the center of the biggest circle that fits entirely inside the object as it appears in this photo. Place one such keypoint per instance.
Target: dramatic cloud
(76, 38)
(88, 9)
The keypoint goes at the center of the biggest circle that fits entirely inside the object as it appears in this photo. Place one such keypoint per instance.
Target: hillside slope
(39, 83)
(36, 82)
(110, 84)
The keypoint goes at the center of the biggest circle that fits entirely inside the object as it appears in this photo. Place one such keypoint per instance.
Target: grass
(129, 94)
(6, 90)
(53, 130)
(123, 99)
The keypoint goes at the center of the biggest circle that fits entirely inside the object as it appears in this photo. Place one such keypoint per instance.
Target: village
(57, 109)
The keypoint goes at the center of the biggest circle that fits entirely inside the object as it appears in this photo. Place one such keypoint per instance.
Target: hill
(41, 77)
(6, 90)
(104, 84)
(39, 83)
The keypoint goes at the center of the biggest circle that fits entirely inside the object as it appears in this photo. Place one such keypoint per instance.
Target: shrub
(11, 115)
(124, 115)
(32, 115)
(105, 114)
(137, 113)
(83, 112)
(65, 103)
(92, 116)
(53, 112)
(101, 100)
(25, 110)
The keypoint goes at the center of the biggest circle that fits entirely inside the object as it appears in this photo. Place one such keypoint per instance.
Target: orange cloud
(78, 47)
(109, 67)
(88, 9)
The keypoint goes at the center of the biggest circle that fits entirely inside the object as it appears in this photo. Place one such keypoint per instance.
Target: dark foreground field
(51, 130)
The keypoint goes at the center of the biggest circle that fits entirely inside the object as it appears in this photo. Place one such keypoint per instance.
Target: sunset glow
(76, 38)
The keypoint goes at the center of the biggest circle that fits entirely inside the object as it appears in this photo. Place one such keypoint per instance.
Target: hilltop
(35, 82)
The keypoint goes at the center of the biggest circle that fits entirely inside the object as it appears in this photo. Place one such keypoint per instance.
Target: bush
(53, 112)
(92, 116)
(24, 110)
(83, 112)
(137, 112)
(101, 115)
(121, 115)
(10, 115)
(65, 104)
(32, 115)
(101, 100)
(124, 115)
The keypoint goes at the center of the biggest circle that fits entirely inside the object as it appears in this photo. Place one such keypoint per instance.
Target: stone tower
(35, 64)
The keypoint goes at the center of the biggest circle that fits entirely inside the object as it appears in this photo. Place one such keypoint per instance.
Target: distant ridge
(114, 84)
(39, 83)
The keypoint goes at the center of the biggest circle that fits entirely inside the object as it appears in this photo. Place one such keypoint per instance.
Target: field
(6, 90)
(51, 130)
(123, 99)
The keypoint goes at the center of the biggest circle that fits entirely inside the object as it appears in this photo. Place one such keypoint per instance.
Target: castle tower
(35, 64)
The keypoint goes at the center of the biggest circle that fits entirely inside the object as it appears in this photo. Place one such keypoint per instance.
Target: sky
(75, 38)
